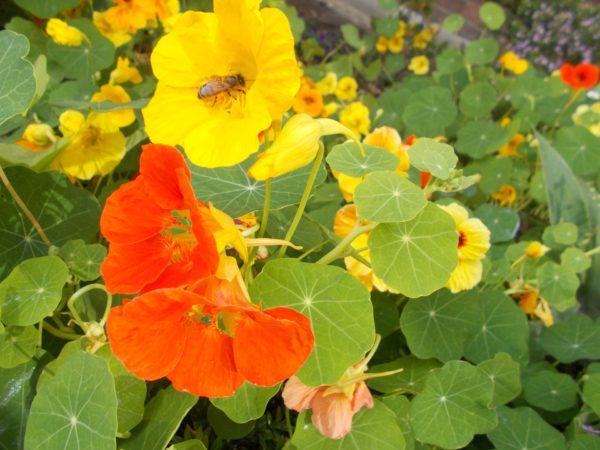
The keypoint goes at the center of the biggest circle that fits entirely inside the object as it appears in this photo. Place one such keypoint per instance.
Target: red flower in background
(159, 233)
(209, 341)
(581, 76)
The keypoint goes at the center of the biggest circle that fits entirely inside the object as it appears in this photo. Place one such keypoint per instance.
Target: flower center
(91, 136)
(180, 236)
(462, 239)
(224, 92)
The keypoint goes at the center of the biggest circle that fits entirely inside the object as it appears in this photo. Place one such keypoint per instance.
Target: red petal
(207, 367)
(158, 166)
(148, 334)
(270, 346)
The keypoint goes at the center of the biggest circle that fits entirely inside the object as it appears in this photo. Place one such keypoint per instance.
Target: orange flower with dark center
(580, 76)
(210, 341)
(308, 101)
(159, 233)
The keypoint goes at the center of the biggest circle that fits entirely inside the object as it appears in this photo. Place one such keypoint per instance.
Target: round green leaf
(501, 327)
(449, 61)
(17, 345)
(477, 99)
(351, 36)
(234, 192)
(18, 82)
(437, 326)
(453, 23)
(388, 197)
(346, 158)
(503, 223)
(416, 257)
(505, 375)
(431, 156)
(456, 398)
(84, 260)
(560, 234)
(575, 259)
(411, 379)
(75, 409)
(481, 51)
(551, 391)
(429, 111)
(591, 392)
(579, 147)
(522, 428)
(492, 15)
(32, 290)
(374, 428)
(337, 304)
(394, 63)
(401, 406)
(248, 403)
(557, 285)
(64, 212)
(576, 337)
(477, 139)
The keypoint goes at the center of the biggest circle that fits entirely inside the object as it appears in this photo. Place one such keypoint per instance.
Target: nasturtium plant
(224, 224)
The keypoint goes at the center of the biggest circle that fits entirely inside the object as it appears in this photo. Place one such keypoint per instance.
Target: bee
(216, 85)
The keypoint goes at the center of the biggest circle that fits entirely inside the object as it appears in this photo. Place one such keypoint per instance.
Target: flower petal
(206, 367)
(148, 334)
(296, 395)
(270, 346)
(332, 415)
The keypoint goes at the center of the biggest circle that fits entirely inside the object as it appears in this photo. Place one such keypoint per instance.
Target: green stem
(313, 249)
(304, 200)
(593, 251)
(58, 333)
(77, 295)
(266, 209)
(288, 422)
(340, 250)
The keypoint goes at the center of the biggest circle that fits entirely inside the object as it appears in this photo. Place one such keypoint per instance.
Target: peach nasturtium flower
(473, 243)
(210, 339)
(159, 233)
(223, 77)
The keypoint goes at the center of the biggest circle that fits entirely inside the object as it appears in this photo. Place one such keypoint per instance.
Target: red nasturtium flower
(580, 76)
(207, 342)
(159, 233)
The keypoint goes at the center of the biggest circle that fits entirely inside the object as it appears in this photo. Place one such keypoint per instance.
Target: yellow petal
(466, 276)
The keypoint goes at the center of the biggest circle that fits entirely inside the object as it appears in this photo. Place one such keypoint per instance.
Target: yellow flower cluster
(394, 44)
(473, 243)
(511, 62)
(588, 116)
(119, 22)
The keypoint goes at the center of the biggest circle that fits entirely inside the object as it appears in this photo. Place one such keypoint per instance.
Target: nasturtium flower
(346, 89)
(511, 62)
(395, 44)
(159, 233)
(124, 72)
(356, 117)
(210, 340)
(330, 109)
(96, 145)
(419, 65)
(588, 116)
(328, 84)
(296, 146)
(511, 148)
(382, 44)
(108, 29)
(308, 101)
(37, 137)
(223, 77)
(64, 34)
(581, 76)
(473, 243)
(115, 94)
(532, 304)
(129, 15)
(536, 250)
(506, 195)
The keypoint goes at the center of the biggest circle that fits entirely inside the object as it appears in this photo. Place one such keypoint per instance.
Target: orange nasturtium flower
(581, 76)
(223, 77)
(210, 340)
(506, 195)
(308, 101)
(158, 231)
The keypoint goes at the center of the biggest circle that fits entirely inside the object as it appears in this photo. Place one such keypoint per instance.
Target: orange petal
(296, 395)
(270, 346)
(130, 267)
(158, 166)
(206, 367)
(332, 415)
(362, 397)
(148, 334)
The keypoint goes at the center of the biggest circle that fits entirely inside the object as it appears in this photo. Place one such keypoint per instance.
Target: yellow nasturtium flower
(223, 77)
(506, 195)
(346, 89)
(37, 137)
(473, 243)
(536, 250)
(532, 304)
(108, 29)
(64, 34)
(124, 72)
(511, 62)
(330, 109)
(395, 44)
(419, 65)
(356, 117)
(116, 94)
(328, 84)
(96, 145)
(511, 148)
(296, 146)
(382, 44)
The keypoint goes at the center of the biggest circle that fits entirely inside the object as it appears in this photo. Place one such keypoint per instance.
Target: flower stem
(266, 207)
(77, 295)
(340, 249)
(304, 199)
(58, 333)
(593, 251)
(24, 208)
